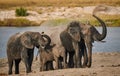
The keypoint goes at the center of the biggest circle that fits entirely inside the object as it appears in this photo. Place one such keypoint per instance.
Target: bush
(18, 22)
(21, 12)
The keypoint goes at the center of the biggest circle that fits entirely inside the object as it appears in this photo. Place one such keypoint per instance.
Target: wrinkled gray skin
(69, 39)
(46, 59)
(58, 50)
(21, 47)
(46, 55)
(90, 34)
(51, 52)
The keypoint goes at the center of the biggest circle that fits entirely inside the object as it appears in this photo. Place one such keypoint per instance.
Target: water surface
(112, 40)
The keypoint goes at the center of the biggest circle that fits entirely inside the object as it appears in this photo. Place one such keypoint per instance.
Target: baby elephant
(46, 55)
(46, 58)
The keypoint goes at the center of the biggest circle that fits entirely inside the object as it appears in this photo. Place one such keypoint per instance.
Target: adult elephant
(69, 39)
(21, 46)
(91, 34)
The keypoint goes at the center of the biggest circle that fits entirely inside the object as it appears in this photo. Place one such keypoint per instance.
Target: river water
(112, 40)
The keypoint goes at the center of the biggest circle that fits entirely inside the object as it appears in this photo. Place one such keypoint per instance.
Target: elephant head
(48, 46)
(31, 39)
(74, 31)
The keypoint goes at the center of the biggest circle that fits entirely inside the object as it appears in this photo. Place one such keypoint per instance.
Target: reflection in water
(112, 40)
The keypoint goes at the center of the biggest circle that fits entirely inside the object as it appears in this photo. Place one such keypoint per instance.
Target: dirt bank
(104, 64)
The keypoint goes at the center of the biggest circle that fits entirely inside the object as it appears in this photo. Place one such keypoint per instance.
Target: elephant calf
(49, 53)
(46, 58)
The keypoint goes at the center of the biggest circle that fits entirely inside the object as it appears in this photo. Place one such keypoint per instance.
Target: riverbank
(61, 15)
(106, 63)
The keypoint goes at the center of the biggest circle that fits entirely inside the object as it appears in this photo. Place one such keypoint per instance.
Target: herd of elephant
(73, 51)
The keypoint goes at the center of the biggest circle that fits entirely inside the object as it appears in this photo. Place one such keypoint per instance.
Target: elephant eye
(72, 31)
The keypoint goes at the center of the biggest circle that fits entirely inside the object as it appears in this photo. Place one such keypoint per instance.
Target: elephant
(46, 59)
(20, 46)
(46, 55)
(49, 54)
(70, 39)
(90, 34)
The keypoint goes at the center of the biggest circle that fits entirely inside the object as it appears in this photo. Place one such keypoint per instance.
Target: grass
(110, 20)
(58, 3)
(18, 22)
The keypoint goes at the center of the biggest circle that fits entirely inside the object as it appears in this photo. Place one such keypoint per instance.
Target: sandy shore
(104, 64)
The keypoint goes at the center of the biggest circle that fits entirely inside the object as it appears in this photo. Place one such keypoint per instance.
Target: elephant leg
(42, 62)
(64, 60)
(49, 65)
(60, 63)
(89, 45)
(17, 61)
(24, 56)
(43, 65)
(76, 55)
(10, 64)
(80, 57)
(70, 62)
(56, 60)
(84, 53)
(30, 58)
(74, 60)
(77, 60)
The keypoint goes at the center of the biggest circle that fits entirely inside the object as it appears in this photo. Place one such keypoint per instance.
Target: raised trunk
(47, 39)
(100, 37)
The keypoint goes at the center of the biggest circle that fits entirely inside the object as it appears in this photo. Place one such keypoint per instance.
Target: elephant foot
(16, 72)
(56, 68)
(89, 65)
(9, 73)
(65, 66)
(28, 71)
(84, 66)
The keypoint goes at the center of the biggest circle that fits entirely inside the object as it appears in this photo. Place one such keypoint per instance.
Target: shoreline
(105, 63)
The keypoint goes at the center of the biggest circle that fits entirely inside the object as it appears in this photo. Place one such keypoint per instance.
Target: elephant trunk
(48, 41)
(100, 37)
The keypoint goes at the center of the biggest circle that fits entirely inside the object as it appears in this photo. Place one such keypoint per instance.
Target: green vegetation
(21, 12)
(59, 3)
(110, 20)
(18, 22)
(56, 22)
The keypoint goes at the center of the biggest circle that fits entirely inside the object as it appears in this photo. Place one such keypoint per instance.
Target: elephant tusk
(101, 41)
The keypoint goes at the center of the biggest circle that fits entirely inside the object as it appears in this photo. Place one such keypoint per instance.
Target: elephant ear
(26, 41)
